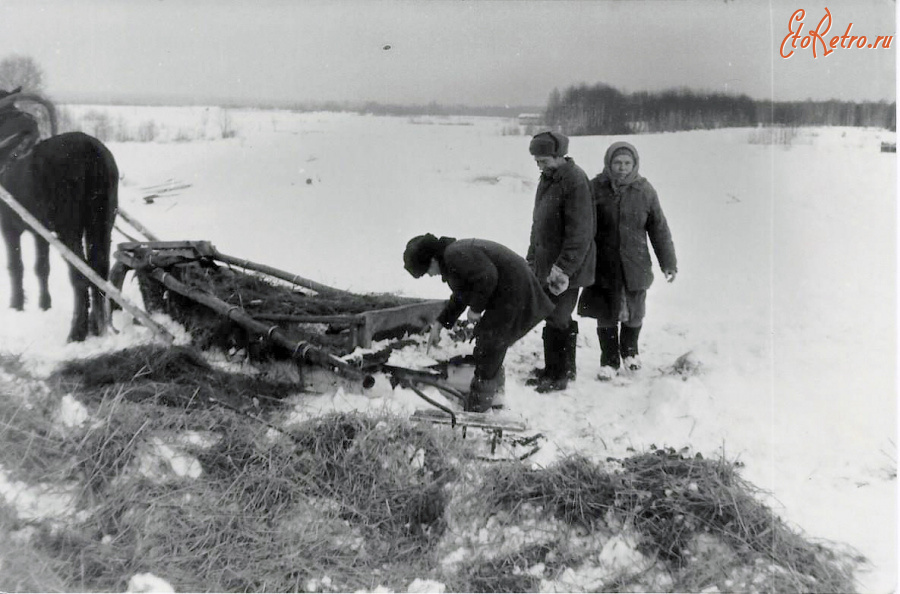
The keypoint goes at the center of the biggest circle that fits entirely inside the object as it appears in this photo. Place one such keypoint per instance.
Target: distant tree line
(602, 109)
(436, 109)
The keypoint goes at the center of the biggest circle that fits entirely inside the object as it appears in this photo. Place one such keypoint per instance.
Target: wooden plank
(202, 247)
(342, 320)
(417, 315)
(489, 420)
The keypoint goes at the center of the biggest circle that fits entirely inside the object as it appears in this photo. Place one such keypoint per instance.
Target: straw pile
(697, 516)
(173, 376)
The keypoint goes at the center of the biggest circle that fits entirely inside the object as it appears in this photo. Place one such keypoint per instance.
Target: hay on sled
(178, 283)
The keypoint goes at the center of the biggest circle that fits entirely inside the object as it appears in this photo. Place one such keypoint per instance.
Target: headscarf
(421, 249)
(617, 184)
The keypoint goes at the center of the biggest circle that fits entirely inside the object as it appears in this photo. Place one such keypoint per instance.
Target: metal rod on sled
(111, 291)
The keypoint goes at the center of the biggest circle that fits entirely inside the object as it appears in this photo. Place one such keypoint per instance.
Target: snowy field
(786, 293)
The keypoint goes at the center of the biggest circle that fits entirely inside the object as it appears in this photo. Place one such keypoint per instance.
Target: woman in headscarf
(502, 294)
(628, 212)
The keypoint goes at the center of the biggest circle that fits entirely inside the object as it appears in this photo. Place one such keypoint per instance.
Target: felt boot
(571, 342)
(555, 376)
(482, 392)
(609, 352)
(628, 345)
(538, 373)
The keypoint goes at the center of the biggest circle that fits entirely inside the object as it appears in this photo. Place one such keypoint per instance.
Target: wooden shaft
(137, 225)
(70, 257)
(285, 276)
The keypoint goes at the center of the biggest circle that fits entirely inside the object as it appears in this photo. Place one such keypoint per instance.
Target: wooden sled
(164, 271)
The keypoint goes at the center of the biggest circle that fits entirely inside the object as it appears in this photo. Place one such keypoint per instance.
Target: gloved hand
(670, 275)
(557, 280)
(473, 316)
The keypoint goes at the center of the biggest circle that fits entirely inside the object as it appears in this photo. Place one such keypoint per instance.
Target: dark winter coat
(627, 214)
(490, 278)
(562, 228)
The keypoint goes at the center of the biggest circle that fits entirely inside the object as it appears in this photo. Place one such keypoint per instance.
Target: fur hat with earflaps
(421, 249)
(549, 144)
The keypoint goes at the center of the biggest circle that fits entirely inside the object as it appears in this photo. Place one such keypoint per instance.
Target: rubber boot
(628, 346)
(571, 342)
(555, 376)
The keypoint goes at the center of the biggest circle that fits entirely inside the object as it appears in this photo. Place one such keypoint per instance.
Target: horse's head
(8, 104)
(8, 107)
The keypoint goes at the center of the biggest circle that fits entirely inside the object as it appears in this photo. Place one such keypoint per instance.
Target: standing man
(561, 252)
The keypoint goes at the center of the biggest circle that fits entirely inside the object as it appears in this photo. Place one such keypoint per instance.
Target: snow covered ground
(786, 293)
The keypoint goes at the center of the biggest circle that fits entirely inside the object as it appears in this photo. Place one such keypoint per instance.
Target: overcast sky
(471, 52)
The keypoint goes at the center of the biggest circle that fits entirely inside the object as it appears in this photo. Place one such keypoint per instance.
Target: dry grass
(695, 515)
(354, 500)
(175, 376)
(349, 502)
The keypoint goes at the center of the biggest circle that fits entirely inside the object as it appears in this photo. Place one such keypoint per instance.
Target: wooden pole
(137, 225)
(70, 257)
(285, 276)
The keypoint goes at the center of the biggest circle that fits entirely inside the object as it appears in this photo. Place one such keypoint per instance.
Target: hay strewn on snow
(176, 376)
(212, 501)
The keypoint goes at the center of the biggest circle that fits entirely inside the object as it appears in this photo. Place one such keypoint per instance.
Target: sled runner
(502, 433)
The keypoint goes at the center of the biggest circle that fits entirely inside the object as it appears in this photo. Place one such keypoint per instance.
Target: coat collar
(561, 171)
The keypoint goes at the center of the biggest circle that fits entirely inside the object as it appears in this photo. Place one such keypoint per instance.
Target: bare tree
(21, 71)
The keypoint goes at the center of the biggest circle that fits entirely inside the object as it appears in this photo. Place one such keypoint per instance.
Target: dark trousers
(561, 317)
(489, 355)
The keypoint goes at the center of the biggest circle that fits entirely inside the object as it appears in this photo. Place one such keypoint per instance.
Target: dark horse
(69, 182)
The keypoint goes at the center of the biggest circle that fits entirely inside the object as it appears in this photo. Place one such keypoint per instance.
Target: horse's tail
(103, 180)
(103, 186)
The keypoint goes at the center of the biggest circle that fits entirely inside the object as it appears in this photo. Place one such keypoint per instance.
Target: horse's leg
(13, 239)
(42, 269)
(80, 284)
